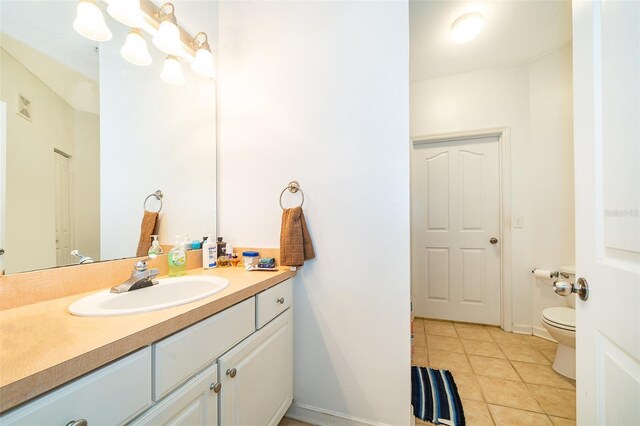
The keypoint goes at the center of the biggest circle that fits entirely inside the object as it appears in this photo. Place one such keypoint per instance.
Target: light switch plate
(517, 221)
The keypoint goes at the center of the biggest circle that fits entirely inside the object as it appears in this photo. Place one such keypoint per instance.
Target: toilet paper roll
(542, 274)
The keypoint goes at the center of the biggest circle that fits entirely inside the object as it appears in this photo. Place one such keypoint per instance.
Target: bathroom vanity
(226, 359)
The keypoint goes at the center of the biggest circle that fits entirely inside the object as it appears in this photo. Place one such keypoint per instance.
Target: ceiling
(45, 25)
(515, 31)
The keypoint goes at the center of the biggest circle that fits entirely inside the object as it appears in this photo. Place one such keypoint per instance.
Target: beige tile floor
(503, 378)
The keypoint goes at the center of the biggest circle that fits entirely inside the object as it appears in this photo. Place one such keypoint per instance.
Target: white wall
(534, 100)
(318, 92)
(156, 136)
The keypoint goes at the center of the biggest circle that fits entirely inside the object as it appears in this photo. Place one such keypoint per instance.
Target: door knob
(232, 372)
(81, 422)
(565, 288)
(215, 387)
(493, 240)
(1, 252)
(280, 300)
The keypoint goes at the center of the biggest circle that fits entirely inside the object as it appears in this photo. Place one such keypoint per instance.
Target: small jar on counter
(250, 258)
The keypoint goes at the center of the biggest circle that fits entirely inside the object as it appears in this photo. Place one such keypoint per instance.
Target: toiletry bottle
(228, 251)
(209, 253)
(155, 248)
(222, 247)
(186, 243)
(177, 259)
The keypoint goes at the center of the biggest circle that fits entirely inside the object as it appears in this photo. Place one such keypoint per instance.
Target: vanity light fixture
(90, 22)
(466, 27)
(126, 12)
(167, 38)
(203, 62)
(135, 49)
(172, 71)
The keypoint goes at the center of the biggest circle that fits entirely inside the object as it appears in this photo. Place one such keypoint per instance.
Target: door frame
(504, 140)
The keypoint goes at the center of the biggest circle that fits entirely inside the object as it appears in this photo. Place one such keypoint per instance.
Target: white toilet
(560, 322)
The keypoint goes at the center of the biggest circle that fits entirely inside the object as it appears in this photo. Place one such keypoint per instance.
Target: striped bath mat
(434, 396)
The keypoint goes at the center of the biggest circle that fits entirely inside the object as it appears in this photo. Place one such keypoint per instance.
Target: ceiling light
(90, 23)
(203, 62)
(126, 12)
(167, 38)
(172, 71)
(466, 28)
(135, 49)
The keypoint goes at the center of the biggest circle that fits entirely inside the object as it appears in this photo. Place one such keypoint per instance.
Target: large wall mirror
(86, 137)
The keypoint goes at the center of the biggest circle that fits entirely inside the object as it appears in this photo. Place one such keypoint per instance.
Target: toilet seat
(560, 317)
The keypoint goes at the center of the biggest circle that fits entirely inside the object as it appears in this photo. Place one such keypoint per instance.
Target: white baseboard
(322, 417)
(542, 333)
(522, 329)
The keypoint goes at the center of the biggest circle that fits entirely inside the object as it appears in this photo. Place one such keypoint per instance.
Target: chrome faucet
(141, 277)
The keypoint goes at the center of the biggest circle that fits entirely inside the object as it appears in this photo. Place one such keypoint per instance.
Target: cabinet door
(195, 403)
(257, 376)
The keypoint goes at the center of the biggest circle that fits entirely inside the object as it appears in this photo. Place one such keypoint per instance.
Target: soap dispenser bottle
(155, 248)
(177, 259)
(209, 253)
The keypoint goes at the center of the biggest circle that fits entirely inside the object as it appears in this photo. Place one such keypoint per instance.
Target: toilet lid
(563, 317)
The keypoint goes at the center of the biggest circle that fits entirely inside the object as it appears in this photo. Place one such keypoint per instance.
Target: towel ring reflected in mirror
(158, 195)
(293, 187)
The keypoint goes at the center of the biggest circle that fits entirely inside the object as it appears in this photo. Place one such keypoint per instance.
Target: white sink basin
(167, 293)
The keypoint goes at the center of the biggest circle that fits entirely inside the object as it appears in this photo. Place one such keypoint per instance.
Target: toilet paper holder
(554, 274)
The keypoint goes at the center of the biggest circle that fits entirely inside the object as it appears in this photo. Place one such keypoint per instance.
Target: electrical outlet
(517, 221)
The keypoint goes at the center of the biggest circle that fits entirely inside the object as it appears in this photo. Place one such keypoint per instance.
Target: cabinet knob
(280, 300)
(232, 372)
(81, 422)
(215, 387)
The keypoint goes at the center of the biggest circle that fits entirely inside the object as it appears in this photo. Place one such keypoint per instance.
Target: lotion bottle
(210, 253)
(177, 259)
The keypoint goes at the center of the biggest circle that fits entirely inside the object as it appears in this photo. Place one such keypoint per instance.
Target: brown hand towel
(147, 227)
(295, 240)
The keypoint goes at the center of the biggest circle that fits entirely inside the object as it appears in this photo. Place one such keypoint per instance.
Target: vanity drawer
(271, 302)
(108, 396)
(179, 357)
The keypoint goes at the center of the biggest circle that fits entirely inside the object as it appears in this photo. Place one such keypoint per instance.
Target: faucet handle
(141, 265)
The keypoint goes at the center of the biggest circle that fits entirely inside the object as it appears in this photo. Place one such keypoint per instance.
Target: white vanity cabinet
(233, 368)
(108, 396)
(257, 376)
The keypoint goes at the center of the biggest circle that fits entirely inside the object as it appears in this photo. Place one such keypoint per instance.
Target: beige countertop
(43, 346)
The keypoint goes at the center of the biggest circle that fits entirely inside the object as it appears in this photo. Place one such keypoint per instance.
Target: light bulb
(172, 71)
(90, 22)
(126, 12)
(135, 49)
(466, 28)
(167, 38)
(203, 63)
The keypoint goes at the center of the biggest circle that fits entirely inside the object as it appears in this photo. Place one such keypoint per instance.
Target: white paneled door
(606, 76)
(456, 230)
(62, 214)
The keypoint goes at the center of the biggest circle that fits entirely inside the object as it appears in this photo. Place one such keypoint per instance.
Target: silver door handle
(215, 387)
(81, 422)
(493, 240)
(565, 288)
(280, 300)
(232, 372)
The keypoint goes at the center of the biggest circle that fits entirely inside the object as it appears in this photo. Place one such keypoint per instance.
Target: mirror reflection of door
(62, 214)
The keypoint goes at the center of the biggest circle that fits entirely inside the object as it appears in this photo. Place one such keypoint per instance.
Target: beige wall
(30, 220)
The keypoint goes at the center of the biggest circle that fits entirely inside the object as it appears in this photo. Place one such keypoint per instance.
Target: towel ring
(293, 187)
(158, 196)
